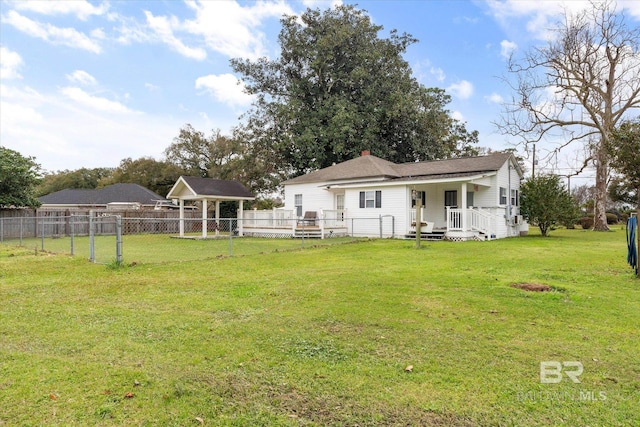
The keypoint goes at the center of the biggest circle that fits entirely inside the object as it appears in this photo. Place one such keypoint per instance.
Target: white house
(461, 199)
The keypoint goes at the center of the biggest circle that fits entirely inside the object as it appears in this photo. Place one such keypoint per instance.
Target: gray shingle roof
(359, 168)
(217, 187)
(114, 193)
(368, 166)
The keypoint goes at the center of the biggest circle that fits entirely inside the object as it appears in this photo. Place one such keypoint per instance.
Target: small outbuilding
(205, 190)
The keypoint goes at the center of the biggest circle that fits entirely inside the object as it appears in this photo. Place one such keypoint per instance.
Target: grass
(324, 336)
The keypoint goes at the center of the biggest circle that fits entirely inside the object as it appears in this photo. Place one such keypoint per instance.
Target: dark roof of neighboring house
(216, 187)
(369, 166)
(128, 193)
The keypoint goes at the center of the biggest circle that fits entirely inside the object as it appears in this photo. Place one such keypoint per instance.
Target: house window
(370, 199)
(298, 204)
(514, 197)
(503, 196)
(419, 195)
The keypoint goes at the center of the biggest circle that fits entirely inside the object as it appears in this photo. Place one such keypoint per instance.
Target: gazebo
(204, 190)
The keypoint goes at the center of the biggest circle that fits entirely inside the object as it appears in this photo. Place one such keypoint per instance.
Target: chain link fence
(103, 237)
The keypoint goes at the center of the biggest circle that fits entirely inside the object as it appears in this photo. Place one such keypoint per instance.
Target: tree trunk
(602, 173)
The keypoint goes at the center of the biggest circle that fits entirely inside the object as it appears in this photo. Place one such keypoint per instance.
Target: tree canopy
(157, 176)
(578, 88)
(545, 202)
(19, 177)
(625, 159)
(338, 89)
(79, 178)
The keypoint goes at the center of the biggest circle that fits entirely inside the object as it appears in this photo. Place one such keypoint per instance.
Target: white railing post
(321, 219)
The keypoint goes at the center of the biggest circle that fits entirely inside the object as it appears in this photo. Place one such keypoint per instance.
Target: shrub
(612, 218)
(586, 223)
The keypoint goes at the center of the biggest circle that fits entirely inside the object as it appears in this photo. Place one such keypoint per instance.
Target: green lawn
(323, 336)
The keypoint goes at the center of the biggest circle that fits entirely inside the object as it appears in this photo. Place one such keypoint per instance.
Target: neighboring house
(116, 196)
(463, 198)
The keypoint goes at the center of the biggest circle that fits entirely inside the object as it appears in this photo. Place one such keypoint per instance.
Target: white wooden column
(181, 218)
(217, 217)
(204, 218)
(464, 206)
(241, 219)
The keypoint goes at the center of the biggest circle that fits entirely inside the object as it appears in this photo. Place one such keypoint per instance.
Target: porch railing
(423, 214)
(286, 218)
(333, 218)
(274, 218)
(476, 220)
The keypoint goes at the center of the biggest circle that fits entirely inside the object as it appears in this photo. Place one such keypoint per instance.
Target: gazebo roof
(197, 188)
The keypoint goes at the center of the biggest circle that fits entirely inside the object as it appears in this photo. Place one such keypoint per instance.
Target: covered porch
(458, 210)
(204, 191)
(279, 222)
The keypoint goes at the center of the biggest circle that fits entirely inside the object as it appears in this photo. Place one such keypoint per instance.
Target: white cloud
(63, 134)
(494, 98)
(151, 87)
(81, 77)
(82, 9)
(457, 115)
(56, 35)
(321, 4)
(225, 88)
(232, 29)
(164, 27)
(438, 73)
(10, 62)
(539, 15)
(95, 102)
(507, 48)
(462, 89)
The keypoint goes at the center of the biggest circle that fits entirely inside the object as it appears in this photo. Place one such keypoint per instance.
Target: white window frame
(297, 202)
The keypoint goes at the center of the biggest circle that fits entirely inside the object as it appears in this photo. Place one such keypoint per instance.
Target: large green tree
(88, 178)
(224, 157)
(201, 155)
(157, 176)
(337, 89)
(545, 202)
(625, 159)
(19, 176)
(577, 88)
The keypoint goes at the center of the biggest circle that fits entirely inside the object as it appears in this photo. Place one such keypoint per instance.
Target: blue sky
(87, 84)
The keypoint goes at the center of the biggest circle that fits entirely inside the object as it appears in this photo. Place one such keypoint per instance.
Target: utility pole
(533, 165)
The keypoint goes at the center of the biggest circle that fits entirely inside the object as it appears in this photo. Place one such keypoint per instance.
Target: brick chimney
(365, 153)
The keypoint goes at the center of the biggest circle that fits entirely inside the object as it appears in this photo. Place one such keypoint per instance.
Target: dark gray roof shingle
(368, 166)
(114, 193)
(217, 187)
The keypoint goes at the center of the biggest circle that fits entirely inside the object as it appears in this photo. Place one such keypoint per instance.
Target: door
(451, 200)
(340, 206)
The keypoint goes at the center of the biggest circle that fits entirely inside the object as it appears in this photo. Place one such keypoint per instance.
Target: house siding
(314, 198)
(366, 221)
(507, 178)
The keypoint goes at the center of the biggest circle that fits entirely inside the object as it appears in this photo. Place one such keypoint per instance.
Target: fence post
(71, 234)
(92, 247)
(21, 224)
(118, 239)
(42, 233)
(230, 236)
(1, 230)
